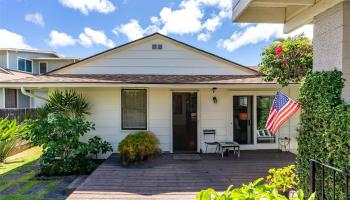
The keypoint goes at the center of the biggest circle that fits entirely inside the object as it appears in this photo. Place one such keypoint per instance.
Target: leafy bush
(287, 60)
(58, 128)
(10, 134)
(283, 179)
(138, 146)
(324, 132)
(279, 179)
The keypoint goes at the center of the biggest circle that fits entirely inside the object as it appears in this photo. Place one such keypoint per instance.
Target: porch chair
(212, 142)
(265, 136)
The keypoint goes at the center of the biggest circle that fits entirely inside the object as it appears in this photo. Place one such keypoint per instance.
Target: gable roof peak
(165, 37)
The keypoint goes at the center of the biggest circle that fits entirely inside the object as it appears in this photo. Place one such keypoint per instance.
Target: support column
(332, 42)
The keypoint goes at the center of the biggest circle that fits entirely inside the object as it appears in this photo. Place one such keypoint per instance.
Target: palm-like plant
(10, 132)
(68, 102)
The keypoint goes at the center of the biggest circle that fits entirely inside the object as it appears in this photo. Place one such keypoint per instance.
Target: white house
(172, 89)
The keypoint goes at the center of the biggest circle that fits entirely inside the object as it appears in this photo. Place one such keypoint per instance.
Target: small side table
(284, 143)
(229, 145)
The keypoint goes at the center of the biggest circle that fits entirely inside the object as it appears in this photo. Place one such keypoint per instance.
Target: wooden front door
(184, 122)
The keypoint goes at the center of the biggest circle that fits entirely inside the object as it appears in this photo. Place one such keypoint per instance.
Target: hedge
(324, 132)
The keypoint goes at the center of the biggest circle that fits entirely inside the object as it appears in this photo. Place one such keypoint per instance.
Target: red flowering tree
(287, 60)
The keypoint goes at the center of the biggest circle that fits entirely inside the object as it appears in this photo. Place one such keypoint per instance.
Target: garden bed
(22, 179)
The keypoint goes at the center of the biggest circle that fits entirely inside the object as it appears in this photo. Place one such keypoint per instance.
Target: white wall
(332, 42)
(141, 59)
(106, 114)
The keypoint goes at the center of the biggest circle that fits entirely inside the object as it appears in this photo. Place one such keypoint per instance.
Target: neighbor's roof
(142, 79)
(158, 35)
(60, 58)
(7, 75)
(30, 50)
(292, 13)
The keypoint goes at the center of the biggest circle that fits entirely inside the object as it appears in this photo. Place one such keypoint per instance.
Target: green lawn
(20, 159)
(18, 181)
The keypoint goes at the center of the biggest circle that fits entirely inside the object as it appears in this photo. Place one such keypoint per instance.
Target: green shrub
(138, 146)
(324, 132)
(58, 128)
(10, 134)
(287, 60)
(277, 181)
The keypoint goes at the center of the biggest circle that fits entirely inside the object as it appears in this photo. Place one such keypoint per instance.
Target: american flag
(282, 109)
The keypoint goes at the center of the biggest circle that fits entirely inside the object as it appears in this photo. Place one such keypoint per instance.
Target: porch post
(332, 42)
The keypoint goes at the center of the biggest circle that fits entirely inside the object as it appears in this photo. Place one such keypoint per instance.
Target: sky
(81, 28)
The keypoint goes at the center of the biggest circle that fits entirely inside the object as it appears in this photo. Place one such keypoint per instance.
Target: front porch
(166, 178)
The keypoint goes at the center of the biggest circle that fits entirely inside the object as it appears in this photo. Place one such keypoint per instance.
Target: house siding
(51, 64)
(13, 55)
(106, 114)
(3, 59)
(141, 59)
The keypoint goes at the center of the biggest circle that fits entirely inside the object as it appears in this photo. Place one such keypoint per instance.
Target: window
(42, 67)
(264, 104)
(10, 98)
(24, 65)
(134, 109)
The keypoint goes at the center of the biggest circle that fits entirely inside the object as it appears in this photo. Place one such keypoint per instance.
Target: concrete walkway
(166, 178)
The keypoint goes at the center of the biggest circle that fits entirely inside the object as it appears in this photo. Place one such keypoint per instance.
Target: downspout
(32, 95)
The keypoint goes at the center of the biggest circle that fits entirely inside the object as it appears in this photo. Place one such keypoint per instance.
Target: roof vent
(157, 46)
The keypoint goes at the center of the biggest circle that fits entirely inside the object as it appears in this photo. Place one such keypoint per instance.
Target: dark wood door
(10, 98)
(184, 122)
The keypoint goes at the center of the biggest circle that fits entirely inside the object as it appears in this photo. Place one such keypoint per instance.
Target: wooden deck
(166, 178)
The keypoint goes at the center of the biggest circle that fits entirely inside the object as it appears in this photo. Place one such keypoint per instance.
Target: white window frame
(25, 64)
(47, 65)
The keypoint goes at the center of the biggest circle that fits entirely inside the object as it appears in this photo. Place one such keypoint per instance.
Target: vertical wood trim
(7, 60)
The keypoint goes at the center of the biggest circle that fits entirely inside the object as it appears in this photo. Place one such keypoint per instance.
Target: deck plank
(165, 178)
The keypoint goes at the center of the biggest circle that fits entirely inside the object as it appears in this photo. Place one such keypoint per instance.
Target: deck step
(75, 184)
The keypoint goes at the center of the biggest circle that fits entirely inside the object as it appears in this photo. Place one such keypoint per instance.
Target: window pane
(134, 109)
(21, 64)
(28, 66)
(263, 109)
(42, 68)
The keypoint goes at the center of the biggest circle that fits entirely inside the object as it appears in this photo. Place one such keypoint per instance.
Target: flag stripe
(282, 109)
(281, 121)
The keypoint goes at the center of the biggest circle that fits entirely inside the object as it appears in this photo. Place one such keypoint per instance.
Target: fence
(328, 182)
(18, 113)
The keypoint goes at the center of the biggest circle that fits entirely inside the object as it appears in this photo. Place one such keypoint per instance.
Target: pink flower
(278, 50)
(284, 62)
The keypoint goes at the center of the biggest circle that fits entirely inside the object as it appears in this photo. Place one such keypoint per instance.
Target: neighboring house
(16, 63)
(172, 89)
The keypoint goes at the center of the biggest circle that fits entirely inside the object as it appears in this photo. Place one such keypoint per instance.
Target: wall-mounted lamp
(215, 99)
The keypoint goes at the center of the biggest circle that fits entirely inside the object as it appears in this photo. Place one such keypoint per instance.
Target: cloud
(253, 34)
(132, 30)
(35, 18)
(203, 37)
(307, 30)
(90, 37)
(212, 24)
(60, 39)
(185, 20)
(86, 6)
(9, 39)
(188, 18)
